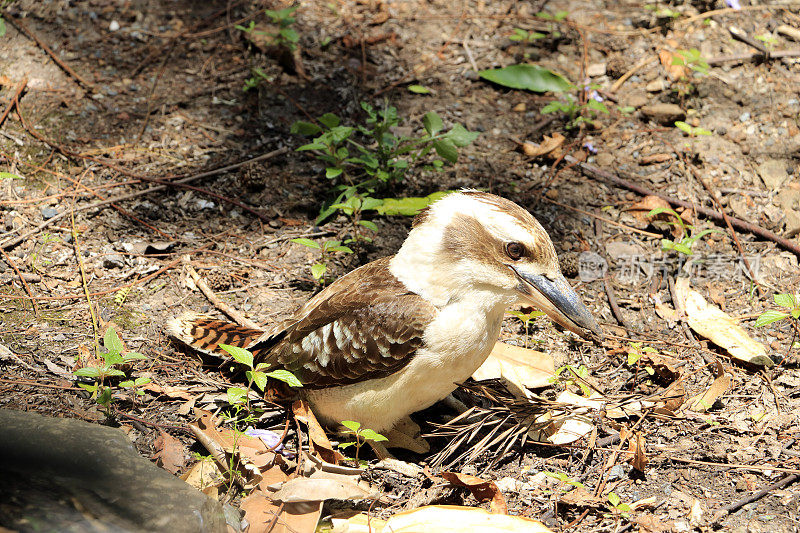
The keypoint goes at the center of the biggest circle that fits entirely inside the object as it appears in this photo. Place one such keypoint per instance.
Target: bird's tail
(205, 333)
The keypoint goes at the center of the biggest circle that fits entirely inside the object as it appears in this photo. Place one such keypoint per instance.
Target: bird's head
(473, 242)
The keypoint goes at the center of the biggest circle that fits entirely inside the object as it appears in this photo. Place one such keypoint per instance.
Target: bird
(396, 335)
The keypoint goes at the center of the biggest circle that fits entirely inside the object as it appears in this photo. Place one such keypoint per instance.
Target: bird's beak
(557, 299)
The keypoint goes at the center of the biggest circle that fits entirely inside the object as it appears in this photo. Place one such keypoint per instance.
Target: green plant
(47, 238)
(768, 39)
(790, 302)
(573, 376)
(364, 158)
(694, 61)
(616, 503)
(238, 396)
(285, 36)
(663, 12)
(691, 131)
(525, 36)
(3, 5)
(113, 359)
(557, 17)
(636, 351)
(688, 240)
(362, 435)
(255, 80)
(526, 318)
(576, 112)
(326, 248)
(565, 479)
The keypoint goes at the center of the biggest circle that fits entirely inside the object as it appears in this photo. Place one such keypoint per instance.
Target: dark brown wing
(366, 325)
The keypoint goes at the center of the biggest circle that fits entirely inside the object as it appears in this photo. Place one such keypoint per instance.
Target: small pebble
(114, 26)
(48, 212)
(744, 117)
(113, 261)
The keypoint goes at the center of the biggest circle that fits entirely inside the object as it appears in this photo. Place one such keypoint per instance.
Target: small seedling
(579, 113)
(286, 36)
(525, 36)
(566, 480)
(790, 302)
(361, 435)
(113, 358)
(616, 503)
(573, 376)
(686, 243)
(526, 319)
(768, 39)
(691, 131)
(238, 396)
(328, 247)
(693, 60)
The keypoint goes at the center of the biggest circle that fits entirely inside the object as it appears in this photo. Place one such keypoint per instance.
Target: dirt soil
(145, 90)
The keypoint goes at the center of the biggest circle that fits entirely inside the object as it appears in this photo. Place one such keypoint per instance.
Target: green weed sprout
(526, 319)
(113, 358)
(286, 36)
(790, 302)
(238, 396)
(685, 245)
(691, 131)
(328, 247)
(361, 435)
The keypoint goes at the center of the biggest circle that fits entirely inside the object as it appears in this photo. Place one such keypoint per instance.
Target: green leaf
(127, 384)
(461, 136)
(143, 380)
(351, 425)
(446, 149)
(682, 248)
(419, 89)
(529, 77)
(111, 341)
(88, 372)
(785, 300)
(432, 122)
(552, 107)
(311, 146)
(9, 175)
(289, 34)
(104, 398)
(2, 27)
(597, 106)
(684, 127)
(346, 444)
(285, 376)
(370, 225)
(305, 128)
(236, 395)
(796, 313)
(329, 120)
(332, 172)
(410, 206)
(770, 316)
(132, 356)
(240, 355)
(307, 242)
(113, 372)
(90, 388)
(614, 499)
(259, 378)
(318, 270)
(369, 434)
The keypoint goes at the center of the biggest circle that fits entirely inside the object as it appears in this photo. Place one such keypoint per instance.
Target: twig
(778, 54)
(235, 315)
(594, 172)
(14, 99)
(754, 468)
(617, 84)
(735, 506)
(24, 29)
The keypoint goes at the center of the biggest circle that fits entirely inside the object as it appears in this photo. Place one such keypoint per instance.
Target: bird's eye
(515, 250)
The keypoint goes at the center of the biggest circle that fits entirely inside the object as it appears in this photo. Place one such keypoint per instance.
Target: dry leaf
(641, 208)
(549, 145)
(638, 459)
(520, 368)
(354, 522)
(204, 475)
(703, 402)
(324, 486)
(169, 453)
(481, 489)
(580, 497)
(675, 72)
(321, 444)
(717, 326)
(457, 519)
(568, 428)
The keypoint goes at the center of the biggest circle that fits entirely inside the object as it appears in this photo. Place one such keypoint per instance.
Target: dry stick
(24, 29)
(752, 55)
(646, 61)
(22, 278)
(235, 315)
(735, 506)
(14, 99)
(594, 172)
(612, 297)
(14, 242)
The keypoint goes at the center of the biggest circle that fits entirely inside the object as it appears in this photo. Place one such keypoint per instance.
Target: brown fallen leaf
(580, 497)
(457, 519)
(323, 486)
(549, 146)
(169, 453)
(711, 322)
(481, 489)
(638, 458)
(703, 402)
(321, 444)
(641, 209)
(205, 476)
(355, 522)
(521, 368)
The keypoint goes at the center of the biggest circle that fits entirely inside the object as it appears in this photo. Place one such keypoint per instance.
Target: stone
(792, 224)
(88, 477)
(665, 114)
(48, 212)
(637, 100)
(604, 159)
(773, 173)
(656, 86)
(113, 261)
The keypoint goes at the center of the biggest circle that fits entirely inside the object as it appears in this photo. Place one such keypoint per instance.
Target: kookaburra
(398, 334)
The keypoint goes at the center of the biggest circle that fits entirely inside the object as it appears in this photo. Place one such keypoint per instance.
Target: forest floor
(103, 101)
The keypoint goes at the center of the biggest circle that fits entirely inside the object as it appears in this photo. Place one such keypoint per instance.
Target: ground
(146, 90)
